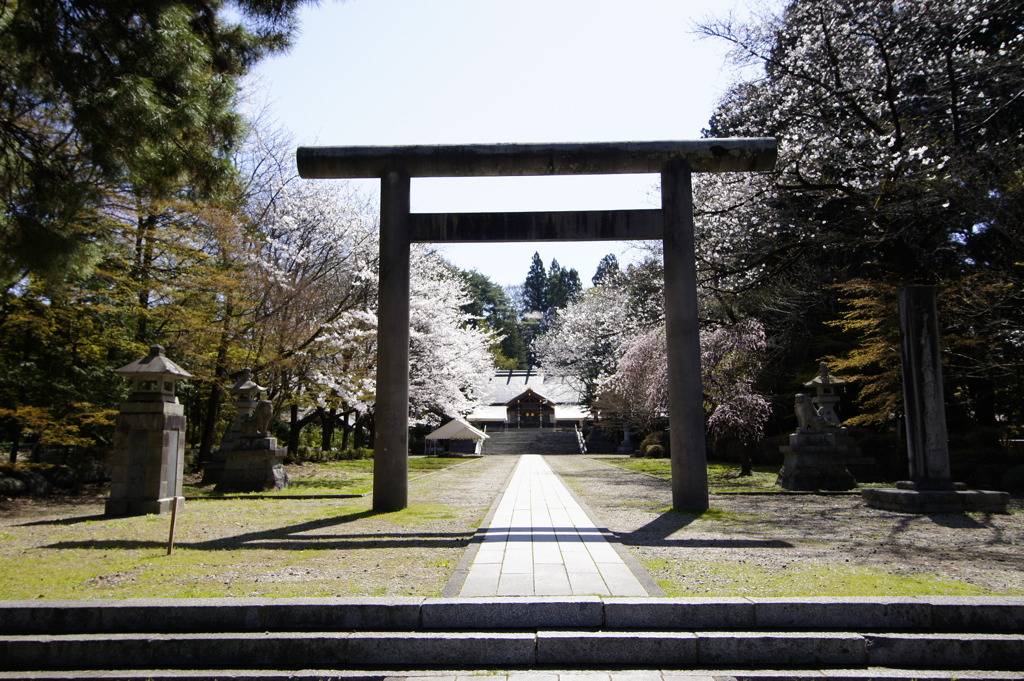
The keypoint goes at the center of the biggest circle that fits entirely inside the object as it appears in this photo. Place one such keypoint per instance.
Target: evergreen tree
(104, 95)
(607, 272)
(535, 288)
(557, 294)
(564, 286)
(496, 312)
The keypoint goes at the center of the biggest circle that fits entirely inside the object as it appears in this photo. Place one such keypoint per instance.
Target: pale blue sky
(388, 72)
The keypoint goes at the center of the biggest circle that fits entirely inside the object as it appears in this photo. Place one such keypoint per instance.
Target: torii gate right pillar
(682, 330)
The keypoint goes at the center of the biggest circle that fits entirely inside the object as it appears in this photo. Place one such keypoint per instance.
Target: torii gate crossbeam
(673, 223)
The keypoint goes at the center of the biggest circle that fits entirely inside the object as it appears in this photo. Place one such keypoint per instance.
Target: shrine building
(529, 399)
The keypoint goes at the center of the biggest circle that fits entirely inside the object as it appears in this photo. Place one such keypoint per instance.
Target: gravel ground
(774, 544)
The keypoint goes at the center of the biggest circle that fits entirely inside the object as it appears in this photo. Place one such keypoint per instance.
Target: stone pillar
(685, 392)
(391, 413)
(923, 398)
(148, 458)
(930, 488)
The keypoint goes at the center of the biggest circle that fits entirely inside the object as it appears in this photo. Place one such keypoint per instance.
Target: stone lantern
(816, 456)
(826, 396)
(148, 461)
(249, 459)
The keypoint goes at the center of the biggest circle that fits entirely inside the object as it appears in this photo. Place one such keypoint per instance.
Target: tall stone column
(923, 398)
(685, 392)
(391, 415)
(931, 488)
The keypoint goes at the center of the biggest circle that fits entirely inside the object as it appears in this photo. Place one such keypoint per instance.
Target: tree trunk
(15, 443)
(328, 420)
(143, 271)
(216, 398)
(746, 459)
(294, 429)
(210, 417)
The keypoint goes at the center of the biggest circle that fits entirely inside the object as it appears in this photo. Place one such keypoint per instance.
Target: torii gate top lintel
(586, 158)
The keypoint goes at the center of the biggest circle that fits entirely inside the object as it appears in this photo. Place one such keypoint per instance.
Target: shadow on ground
(296, 538)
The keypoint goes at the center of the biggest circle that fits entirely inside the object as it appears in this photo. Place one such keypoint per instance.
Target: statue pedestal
(817, 461)
(255, 464)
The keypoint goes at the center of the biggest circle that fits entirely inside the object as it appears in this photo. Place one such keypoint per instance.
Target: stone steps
(532, 674)
(531, 441)
(190, 637)
(482, 650)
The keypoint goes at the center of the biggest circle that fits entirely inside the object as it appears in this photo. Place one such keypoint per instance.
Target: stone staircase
(376, 639)
(531, 441)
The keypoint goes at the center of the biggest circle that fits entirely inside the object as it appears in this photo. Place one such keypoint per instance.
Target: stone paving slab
(541, 542)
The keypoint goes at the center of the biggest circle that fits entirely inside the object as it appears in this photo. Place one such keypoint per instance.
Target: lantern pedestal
(148, 461)
(817, 461)
(256, 465)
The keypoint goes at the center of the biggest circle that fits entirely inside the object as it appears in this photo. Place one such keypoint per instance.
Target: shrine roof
(505, 386)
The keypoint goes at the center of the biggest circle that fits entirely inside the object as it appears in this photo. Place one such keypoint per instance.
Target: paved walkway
(540, 542)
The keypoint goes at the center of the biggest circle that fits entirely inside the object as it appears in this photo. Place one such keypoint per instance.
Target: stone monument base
(128, 507)
(256, 466)
(906, 498)
(213, 470)
(817, 461)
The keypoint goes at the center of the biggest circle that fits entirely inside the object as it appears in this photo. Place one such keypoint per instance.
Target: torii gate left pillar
(675, 161)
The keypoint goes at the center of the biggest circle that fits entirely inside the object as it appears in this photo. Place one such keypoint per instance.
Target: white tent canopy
(458, 429)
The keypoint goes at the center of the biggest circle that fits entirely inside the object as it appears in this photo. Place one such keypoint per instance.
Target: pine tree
(107, 94)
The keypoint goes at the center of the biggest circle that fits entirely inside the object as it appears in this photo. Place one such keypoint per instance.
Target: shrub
(658, 438)
(654, 452)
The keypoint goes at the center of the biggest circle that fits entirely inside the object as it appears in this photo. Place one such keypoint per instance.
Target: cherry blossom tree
(899, 155)
(731, 360)
(450, 359)
(586, 337)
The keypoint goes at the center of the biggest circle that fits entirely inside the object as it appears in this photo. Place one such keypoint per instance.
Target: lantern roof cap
(245, 382)
(153, 363)
(824, 378)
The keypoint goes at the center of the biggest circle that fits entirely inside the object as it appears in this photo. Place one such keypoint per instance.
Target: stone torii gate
(673, 224)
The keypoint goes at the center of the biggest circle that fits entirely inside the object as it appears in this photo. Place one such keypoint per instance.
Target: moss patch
(737, 578)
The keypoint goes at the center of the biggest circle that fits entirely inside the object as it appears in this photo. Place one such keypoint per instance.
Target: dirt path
(800, 544)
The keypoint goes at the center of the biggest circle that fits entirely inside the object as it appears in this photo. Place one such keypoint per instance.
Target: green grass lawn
(251, 546)
(354, 476)
(721, 477)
